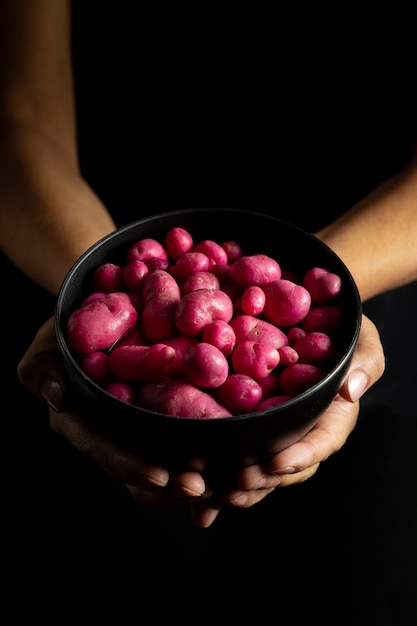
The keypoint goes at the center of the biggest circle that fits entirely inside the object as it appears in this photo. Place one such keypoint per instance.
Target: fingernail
(185, 492)
(356, 384)
(51, 392)
(190, 493)
(290, 469)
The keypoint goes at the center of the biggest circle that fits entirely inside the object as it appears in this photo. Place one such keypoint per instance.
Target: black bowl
(215, 445)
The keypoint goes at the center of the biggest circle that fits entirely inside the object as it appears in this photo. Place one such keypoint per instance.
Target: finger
(367, 365)
(189, 485)
(245, 499)
(41, 370)
(252, 478)
(327, 437)
(204, 514)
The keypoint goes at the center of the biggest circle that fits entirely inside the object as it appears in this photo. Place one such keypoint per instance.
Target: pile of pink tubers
(201, 330)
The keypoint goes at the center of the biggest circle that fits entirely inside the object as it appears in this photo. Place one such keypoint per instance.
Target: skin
(49, 216)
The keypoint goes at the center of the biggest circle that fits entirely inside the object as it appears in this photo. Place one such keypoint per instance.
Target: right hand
(300, 461)
(41, 372)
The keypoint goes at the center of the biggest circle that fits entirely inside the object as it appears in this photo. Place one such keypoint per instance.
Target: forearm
(377, 238)
(49, 215)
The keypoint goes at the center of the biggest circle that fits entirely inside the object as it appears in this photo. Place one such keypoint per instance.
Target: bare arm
(377, 238)
(48, 214)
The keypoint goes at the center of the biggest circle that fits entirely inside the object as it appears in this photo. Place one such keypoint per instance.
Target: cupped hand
(42, 373)
(300, 461)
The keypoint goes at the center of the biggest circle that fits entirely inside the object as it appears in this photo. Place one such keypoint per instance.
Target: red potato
(189, 263)
(160, 284)
(220, 334)
(108, 277)
(249, 327)
(100, 295)
(180, 345)
(256, 269)
(96, 295)
(239, 393)
(237, 307)
(158, 319)
(214, 251)
(135, 337)
(269, 385)
(326, 318)
(99, 324)
(252, 300)
(298, 377)
(295, 333)
(136, 299)
(199, 308)
(146, 248)
(122, 391)
(231, 287)
(200, 280)
(205, 366)
(233, 250)
(96, 366)
(324, 286)
(134, 273)
(123, 295)
(287, 355)
(177, 242)
(221, 271)
(254, 359)
(180, 398)
(316, 348)
(135, 363)
(267, 403)
(157, 264)
(286, 303)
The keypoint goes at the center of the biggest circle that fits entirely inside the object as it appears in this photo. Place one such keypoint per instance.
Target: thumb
(368, 363)
(40, 369)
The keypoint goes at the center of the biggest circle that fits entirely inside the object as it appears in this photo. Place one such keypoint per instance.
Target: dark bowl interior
(222, 444)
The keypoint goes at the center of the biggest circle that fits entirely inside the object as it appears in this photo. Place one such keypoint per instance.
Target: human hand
(301, 460)
(41, 372)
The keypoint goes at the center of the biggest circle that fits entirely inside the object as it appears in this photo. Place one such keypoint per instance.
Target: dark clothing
(196, 122)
